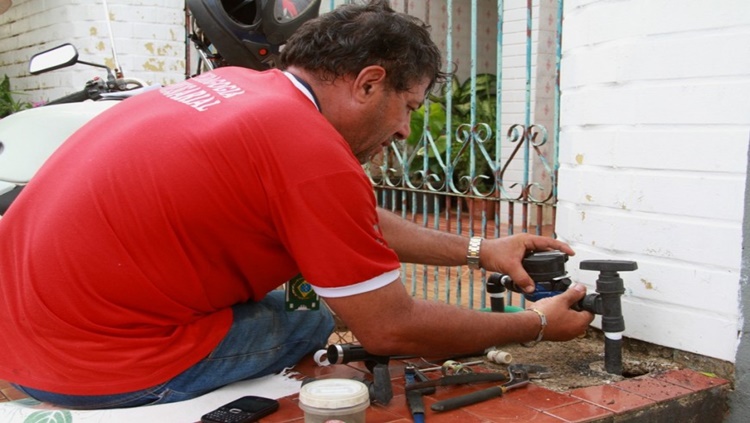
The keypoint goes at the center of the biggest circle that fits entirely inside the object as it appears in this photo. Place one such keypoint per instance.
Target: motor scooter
(29, 137)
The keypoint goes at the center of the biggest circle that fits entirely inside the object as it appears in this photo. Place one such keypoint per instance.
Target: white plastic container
(334, 400)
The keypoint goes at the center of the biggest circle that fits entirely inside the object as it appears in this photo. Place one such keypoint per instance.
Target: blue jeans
(264, 339)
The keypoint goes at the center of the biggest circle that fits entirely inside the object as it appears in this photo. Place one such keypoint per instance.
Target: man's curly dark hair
(353, 36)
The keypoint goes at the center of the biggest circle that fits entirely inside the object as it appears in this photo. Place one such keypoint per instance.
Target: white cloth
(273, 386)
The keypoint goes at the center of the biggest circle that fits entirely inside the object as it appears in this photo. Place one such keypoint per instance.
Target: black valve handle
(609, 265)
(545, 265)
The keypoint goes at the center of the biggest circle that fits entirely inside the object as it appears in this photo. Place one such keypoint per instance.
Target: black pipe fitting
(546, 269)
(380, 387)
(606, 302)
(496, 291)
(346, 353)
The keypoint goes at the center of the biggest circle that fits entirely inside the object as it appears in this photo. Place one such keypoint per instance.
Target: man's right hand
(564, 323)
(506, 254)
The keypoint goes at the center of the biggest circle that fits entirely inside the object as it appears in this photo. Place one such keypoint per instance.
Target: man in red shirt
(139, 266)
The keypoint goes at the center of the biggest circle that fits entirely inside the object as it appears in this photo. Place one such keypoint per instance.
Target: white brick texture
(149, 39)
(654, 141)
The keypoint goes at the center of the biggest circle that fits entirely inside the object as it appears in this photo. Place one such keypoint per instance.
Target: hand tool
(414, 397)
(458, 380)
(465, 363)
(519, 376)
(453, 367)
(419, 376)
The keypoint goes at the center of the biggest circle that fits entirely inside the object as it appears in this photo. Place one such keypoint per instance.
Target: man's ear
(369, 80)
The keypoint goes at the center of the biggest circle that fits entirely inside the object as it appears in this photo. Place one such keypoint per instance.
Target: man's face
(388, 117)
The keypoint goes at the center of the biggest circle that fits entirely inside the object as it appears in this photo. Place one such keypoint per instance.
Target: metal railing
(485, 160)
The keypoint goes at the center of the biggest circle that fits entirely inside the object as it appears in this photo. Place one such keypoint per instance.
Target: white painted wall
(149, 38)
(654, 136)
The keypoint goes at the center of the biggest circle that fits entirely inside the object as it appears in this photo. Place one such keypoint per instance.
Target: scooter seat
(29, 137)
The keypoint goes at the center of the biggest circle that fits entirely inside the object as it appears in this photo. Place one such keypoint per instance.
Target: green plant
(8, 104)
(436, 121)
(460, 94)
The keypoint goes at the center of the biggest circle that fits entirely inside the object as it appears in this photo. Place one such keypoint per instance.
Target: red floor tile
(383, 414)
(461, 415)
(653, 389)
(505, 410)
(527, 404)
(611, 398)
(540, 398)
(531, 403)
(690, 379)
(10, 393)
(579, 412)
(397, 406)
(288, 411)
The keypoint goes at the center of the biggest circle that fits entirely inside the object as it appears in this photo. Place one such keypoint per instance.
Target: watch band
(472, 255)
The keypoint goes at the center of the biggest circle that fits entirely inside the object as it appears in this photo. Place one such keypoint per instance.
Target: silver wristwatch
(472, 255)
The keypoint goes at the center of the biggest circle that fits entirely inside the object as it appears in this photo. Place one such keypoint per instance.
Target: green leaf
(7, 104)
(50, 416)
(461, 103)
(486, 86)
(436, 123)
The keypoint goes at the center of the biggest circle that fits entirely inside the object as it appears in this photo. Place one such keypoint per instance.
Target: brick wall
(654, 136)
(149, 37)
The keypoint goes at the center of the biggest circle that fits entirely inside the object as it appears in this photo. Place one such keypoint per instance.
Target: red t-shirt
(121, 259)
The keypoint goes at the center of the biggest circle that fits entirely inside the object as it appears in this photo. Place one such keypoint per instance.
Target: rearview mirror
(59, 57)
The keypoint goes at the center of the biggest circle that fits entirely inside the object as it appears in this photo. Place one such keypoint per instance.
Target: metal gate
(482, 156)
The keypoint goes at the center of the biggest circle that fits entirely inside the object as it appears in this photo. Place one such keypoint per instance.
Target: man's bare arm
(388, 321)
(416, 244)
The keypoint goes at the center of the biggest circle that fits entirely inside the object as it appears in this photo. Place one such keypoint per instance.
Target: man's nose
(403, 132)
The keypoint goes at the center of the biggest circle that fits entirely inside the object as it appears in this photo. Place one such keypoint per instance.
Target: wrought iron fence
(482, 156)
